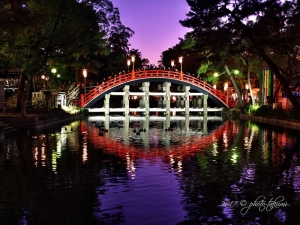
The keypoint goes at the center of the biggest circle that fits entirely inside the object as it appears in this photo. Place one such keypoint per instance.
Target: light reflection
(248, 174)
(234, 157)
(130, 166)
(36, 153)
(225, 140)
(215, 148)
(179, 166)
(43, 155)
(84, 152)
(172, 161)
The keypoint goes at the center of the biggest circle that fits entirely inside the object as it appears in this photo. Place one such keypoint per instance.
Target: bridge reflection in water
(201, 121)
(179, 135)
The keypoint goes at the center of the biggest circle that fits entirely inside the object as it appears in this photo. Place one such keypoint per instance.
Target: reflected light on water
(225, 141)
(43, 155)
(84, 152)
(36, 153)
(130, 166)
(215, 148)
(234, 158)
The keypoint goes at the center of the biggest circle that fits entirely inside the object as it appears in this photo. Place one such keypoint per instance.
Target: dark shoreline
(291, 124)
(38, 121)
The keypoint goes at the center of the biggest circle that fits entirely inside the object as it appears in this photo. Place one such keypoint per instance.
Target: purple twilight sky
(155, 23)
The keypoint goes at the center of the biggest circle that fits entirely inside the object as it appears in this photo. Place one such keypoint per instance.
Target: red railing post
(132, 74)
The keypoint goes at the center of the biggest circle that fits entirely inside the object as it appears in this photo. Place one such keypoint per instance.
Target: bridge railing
(144, 74)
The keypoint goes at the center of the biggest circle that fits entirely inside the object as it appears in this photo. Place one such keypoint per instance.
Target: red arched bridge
(118, 82)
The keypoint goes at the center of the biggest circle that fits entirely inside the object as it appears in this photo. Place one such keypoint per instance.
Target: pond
(151, 170)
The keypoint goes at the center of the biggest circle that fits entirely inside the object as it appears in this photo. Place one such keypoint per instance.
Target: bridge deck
(152, 75)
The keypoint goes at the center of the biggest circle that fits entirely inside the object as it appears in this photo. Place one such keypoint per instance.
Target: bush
(293, 114)
(278, 113)
(263, 111)
(268, 111)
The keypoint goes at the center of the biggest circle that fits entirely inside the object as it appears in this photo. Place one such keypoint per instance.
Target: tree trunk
(238, 91)
(270, 63)
(250, 87)
(282, 80)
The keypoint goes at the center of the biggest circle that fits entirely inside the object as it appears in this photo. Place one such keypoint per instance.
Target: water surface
(151, 171)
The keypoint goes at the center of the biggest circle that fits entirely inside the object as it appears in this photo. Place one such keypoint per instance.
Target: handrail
(143, 74)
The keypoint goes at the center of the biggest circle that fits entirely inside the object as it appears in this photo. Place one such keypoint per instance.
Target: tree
(266, 28)
(65, 34)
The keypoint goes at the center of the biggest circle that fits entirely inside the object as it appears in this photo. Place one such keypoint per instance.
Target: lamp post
(132, 60)
(225, 91)
(128, 63)
(172, 64)
(180, 61)
(46, 78)
(84, 73)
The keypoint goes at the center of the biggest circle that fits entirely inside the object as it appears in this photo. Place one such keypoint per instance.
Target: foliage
(252, 108)
(269, 112)
(264, 111)
(265, 30)
(38, 35)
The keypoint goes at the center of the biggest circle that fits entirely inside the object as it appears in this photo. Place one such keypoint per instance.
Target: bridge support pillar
(205, 97)
(126, 99)
(145, 98)
(106, 104)
(126, 130)
(199, 103)
(187, 122)
(187, 99)
(166, 88)
(204, 129)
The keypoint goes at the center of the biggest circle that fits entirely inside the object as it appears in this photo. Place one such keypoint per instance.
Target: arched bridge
(118, 82)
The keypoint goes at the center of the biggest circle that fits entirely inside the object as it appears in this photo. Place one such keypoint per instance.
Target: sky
(155, 23)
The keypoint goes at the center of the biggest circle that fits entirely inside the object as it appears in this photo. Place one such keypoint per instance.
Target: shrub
(263, 111)
(293, 114)
(278, 113)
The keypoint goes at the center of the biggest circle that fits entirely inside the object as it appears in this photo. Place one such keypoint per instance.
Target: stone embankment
(38, 121)
(291, 124)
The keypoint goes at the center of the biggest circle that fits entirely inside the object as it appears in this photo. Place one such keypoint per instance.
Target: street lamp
(128, 63)
(172, 64)
(180, 61)
(46, 78)
(53, 71)
(236, 72)
(132, 60)
(225, 91)
(84, 73)
(225, 86)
